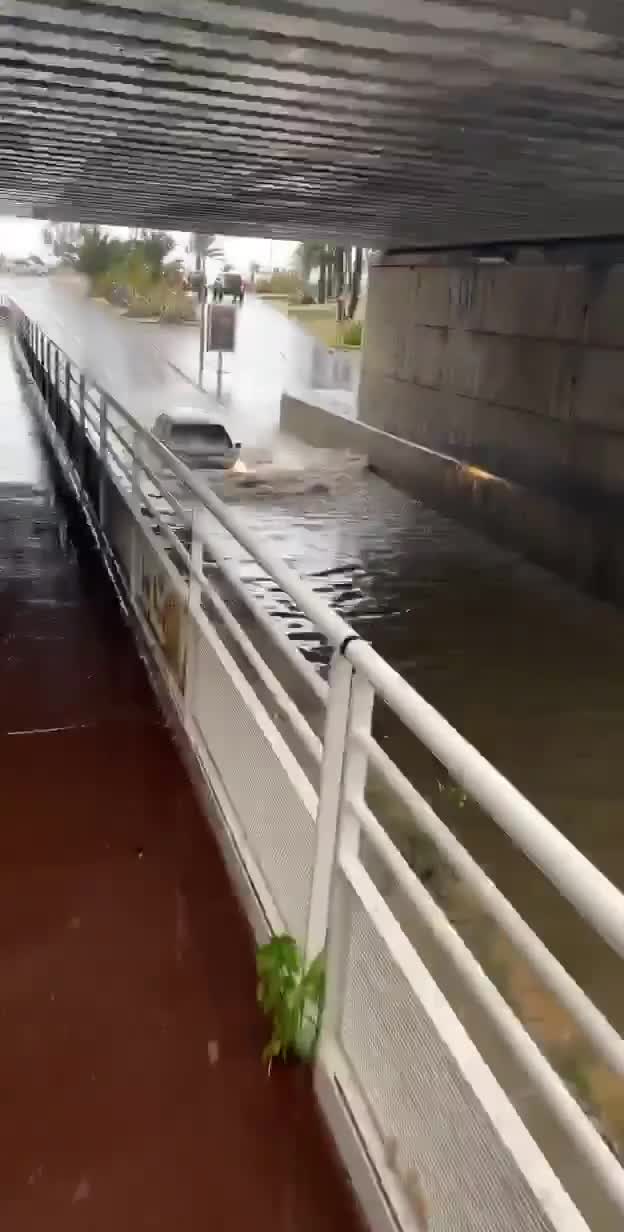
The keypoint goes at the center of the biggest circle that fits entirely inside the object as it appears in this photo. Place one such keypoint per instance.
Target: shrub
(288, 283)
(177, 308)
(123, 281)
(131, 284)
(173, 274)
(291, 995)
(142, 306)
(119, 294)
(103, 284)
(352, 335)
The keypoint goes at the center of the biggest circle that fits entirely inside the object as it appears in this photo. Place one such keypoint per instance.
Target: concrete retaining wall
(582, 545)
(518, 369)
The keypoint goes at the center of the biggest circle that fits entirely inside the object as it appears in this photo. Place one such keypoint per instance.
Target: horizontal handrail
(577, 879)
(597, 1028)
(286, 705)
(555, 1093)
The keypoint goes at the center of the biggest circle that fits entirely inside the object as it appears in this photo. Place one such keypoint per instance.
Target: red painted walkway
(132, 1094)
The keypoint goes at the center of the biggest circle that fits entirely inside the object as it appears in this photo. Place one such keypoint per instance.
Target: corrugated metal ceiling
(389, 122)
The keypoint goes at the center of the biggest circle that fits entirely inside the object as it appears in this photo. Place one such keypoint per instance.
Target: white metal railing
(420, 1054)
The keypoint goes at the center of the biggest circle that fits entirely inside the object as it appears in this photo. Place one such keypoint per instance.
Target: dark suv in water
(229, 284)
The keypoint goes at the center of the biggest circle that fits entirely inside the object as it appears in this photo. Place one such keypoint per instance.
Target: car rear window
(199, 436)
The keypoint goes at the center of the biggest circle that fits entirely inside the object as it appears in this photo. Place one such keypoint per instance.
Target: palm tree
(308, 257)
(339, 268)
(203, 246)
(314, 255)
(356, 282)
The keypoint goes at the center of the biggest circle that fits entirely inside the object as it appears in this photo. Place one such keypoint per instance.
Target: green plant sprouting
(453, 793)
(352, 334)
(292, 995)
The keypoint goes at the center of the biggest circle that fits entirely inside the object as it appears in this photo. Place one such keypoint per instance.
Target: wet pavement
(133, 1094)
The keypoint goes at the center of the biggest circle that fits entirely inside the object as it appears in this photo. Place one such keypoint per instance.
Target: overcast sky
(21, 236)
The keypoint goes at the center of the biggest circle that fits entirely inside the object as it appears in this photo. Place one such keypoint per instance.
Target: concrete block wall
(515, 368)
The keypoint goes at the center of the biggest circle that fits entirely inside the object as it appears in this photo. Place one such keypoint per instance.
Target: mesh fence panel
(275, 820)
(456, 1172)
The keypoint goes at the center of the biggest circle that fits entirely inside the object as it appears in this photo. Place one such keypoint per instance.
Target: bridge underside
(390, 122)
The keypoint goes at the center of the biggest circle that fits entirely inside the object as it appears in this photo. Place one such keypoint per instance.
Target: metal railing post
(48, 367)
(136, 500)
(329, 803)
(203, 301)
(69, 419)
(103, 454)
(347, 839)
(57, 367)
(194, 608)
(83, 428)
(356, 761)
(81, 403)
(343, 769)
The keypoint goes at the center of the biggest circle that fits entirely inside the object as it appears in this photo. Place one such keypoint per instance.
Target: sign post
(203, 299)
(220, 335)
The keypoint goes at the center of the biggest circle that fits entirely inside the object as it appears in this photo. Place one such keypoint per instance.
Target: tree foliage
(203, 247)
(97, 252)
(94, 252)
(339, 270)
(64, 238)
(153, 247)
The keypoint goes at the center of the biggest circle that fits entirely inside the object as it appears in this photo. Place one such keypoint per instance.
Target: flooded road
(151, 368)
(526, 668)
(532, 673)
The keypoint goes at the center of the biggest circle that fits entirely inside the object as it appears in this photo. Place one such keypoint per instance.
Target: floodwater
(526, 668)
(133, 1091)
(532, 673)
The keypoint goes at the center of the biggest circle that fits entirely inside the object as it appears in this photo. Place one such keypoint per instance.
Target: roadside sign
(221, 327)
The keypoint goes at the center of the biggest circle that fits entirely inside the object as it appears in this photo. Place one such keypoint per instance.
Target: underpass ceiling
(386, 122)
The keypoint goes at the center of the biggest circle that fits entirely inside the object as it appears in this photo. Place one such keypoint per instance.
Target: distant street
(150, 367)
